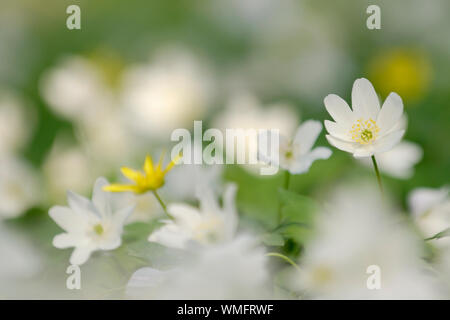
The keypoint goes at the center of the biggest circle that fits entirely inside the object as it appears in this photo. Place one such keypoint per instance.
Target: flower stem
(163, 205)
(282, 256)
(287, 178)
(375, 166)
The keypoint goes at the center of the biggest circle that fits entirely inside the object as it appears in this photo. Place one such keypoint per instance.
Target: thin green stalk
(282, 256)
(375, 166)
(163, 205)
(287, 176)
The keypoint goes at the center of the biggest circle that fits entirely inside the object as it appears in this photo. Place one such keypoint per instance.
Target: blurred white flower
(399, 161)
(19, 258)
(168, 93)
(89, 225)
(231, 270)
(355, 232)
(66, 167)
(198, 175)
(16, 123)
(296, 155)
(208, 224)
(19, 187)
(442, 266)
(74, 89)
(244, 111)
(108, 141)
(146, 207)
(366, 130)
(431, 211)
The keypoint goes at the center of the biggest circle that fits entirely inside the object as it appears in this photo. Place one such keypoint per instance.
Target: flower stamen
(364, 132)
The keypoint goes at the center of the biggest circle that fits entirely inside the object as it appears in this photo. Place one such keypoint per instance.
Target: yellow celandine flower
(151, 179)
(405, 71)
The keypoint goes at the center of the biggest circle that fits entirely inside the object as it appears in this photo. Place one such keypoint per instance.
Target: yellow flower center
(322, 275)
(364, 132)
(98, 229)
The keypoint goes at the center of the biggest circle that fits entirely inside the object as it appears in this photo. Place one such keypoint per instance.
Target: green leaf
(297, 215)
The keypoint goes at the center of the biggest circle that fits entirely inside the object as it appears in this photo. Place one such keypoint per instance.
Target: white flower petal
(121, 215)
(364, 151)
(81, 205)
(387, 142)
(100, 198)
(184, 214)
(399, 161)
(67, 219)
(337, 130)
(365, 101)
(390, 113)
(66, 240)
(339, 110)
(207, 200)
(307, 135)
(111, 244)
(421, 200)
(342, 145)
(80, 255)
(305, 162)
(170, 235)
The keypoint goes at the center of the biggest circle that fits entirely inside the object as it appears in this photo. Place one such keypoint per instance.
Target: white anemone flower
(357, 234)
(67, 167)
(16, 123)
(19, 187)
(170, 92)
(206, 225)
(20, 260)
(245, 112)
(431, 211)
(399, 161)
(74, 89)
(89, 225)
(366, 130)
(297, 155)
(231, 270)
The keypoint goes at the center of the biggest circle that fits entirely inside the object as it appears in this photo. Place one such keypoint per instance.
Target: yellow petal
(172, 163)
(116, 187)
(160, 162)
(130, 173)
(148, 165)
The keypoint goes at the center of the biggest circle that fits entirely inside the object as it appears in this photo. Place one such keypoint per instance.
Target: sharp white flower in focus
(208, 224)
(89, 225)
(366, 129)
(297, 155)
(431, 211)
